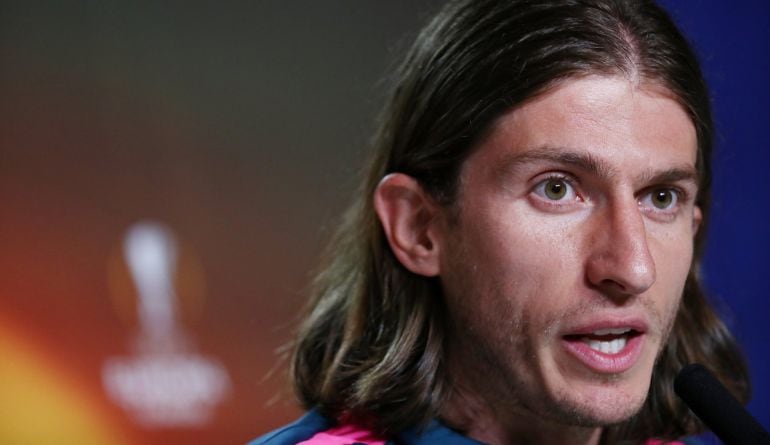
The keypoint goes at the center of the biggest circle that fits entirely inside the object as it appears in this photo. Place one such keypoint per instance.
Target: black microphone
(717, 408)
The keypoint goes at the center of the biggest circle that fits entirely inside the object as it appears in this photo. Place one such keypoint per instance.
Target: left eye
(661, 199)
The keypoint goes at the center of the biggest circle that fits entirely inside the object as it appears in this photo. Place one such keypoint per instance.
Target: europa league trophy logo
(165, 383)
(151, 255)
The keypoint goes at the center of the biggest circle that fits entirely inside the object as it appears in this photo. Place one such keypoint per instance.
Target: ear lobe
(407, 213)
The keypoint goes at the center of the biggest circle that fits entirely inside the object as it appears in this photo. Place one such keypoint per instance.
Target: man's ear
(408, 217)
(697, 218)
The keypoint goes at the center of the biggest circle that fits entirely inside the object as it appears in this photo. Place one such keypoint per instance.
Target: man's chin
(604, 419)
(601, 409)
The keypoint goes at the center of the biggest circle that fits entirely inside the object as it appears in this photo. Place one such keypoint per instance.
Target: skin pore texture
(562, 261)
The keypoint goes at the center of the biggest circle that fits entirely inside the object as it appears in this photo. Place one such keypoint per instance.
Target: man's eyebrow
(676, 174)
(591, 164)
(565, 156)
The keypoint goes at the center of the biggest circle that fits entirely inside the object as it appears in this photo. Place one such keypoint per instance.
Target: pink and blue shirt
(315, 429)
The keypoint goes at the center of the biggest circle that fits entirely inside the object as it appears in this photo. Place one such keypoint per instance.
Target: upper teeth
(613, 331)
(608, 347)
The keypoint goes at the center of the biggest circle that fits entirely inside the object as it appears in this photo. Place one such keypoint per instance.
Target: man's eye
(661, 199)
(555, 189)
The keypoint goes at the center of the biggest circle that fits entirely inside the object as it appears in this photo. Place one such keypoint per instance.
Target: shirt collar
(435, 433)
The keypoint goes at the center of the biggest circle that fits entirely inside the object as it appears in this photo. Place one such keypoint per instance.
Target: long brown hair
(371, 348)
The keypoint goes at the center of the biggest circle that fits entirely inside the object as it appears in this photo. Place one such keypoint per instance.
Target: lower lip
(606, 363)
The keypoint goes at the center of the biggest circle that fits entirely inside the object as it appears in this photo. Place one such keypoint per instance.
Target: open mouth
(610, 350)
(606, 341)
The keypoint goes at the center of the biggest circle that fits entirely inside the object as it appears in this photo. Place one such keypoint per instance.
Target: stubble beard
(499, 385)
(485, 375)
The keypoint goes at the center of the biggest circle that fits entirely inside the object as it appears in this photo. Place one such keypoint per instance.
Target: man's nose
(620, 263)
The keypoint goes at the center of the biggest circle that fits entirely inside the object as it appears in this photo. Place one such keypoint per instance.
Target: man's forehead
(601, 124)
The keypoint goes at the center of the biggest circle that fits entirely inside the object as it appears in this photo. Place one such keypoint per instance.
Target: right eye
(555, 189)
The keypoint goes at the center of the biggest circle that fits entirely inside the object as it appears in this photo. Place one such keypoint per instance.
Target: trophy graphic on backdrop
(165, 382)
(151, 255)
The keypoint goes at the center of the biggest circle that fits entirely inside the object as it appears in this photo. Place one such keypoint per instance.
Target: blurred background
(170, 170)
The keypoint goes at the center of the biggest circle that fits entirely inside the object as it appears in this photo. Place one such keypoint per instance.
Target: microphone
(717, 408)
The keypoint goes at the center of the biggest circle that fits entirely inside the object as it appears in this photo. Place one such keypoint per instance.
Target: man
(521, 265)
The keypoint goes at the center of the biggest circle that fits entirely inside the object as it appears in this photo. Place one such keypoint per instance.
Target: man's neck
(504, 425)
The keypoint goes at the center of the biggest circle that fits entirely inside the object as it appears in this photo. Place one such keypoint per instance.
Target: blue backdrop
(733, 41)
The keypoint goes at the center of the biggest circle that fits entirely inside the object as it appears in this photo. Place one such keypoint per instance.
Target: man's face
(564, 262)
